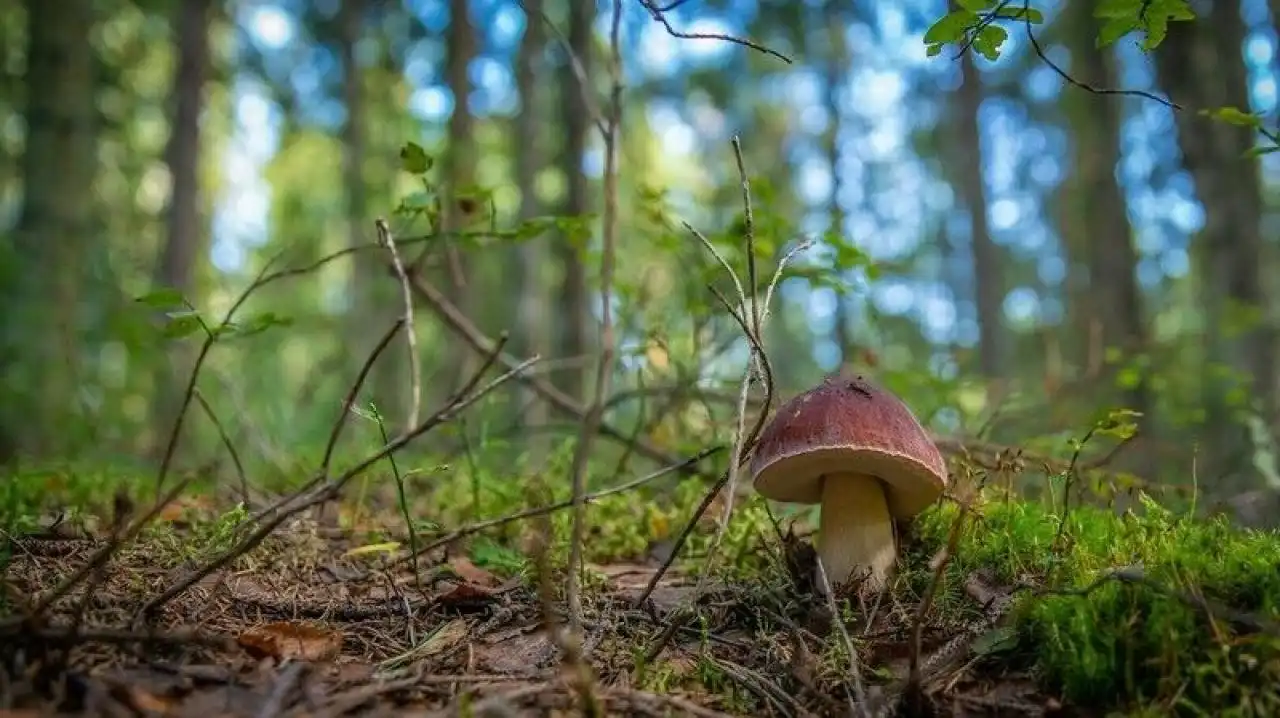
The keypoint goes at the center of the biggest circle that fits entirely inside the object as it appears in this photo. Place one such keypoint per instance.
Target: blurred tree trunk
(837, 67)
(577, 123)
(458, 174)
(186, 241)
(988, 276)
(530, 256)
(40, 354)
(365, 323)
(1200, 64)
(1113, 299)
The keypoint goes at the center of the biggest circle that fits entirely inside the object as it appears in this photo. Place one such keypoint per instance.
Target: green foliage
(1116, 642)
(1150, 17)
(973, 26)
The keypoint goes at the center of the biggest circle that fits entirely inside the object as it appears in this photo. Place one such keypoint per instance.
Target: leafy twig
(659, 15)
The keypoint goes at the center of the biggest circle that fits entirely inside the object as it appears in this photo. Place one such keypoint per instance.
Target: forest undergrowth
(362, 586)
(1018, 612)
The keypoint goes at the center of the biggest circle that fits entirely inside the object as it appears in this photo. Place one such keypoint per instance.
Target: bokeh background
(1013, 253)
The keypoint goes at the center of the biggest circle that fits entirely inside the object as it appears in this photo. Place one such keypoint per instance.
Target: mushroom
(857, 450)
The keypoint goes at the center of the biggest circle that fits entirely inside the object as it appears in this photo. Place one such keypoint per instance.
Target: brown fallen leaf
(471, 573)
(286, 639)
(460, 594)
(146, 701)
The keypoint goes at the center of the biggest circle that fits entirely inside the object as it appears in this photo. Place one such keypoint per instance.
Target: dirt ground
(300, 627)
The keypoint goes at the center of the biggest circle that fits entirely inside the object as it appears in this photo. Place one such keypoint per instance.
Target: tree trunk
(837, 68)
(185, 245)
(577, 123)
(40, 354)
(458, 176)
(1113, 298)
(1200, 65)
(531, 323)
(368, 278)
(971, 186)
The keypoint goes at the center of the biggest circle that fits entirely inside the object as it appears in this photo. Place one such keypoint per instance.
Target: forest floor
(1143, 614)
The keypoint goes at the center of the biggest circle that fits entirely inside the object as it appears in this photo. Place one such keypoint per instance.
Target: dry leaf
(286, 639)
(459, 594)
(472, 573)
(145, 701)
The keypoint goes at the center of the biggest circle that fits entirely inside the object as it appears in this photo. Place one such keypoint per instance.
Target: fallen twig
(467, 396)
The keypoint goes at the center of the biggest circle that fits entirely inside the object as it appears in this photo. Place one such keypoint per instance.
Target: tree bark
(40, 354)
(1200, 65)
(1113, 298)
(530, 256)
(185, 244)
(577, 123)
(988, 275)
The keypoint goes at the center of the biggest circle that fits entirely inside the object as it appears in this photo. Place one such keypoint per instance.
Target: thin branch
(859, 691)
(411, 337)
(230, 446)
(339, 422)
(604, 365)
(463, 399)
(659, 15)
(103, 554)
(1067, 78)
(456, 320)
(479, 526)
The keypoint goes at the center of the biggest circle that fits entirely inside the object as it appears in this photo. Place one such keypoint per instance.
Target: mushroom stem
(856, 530)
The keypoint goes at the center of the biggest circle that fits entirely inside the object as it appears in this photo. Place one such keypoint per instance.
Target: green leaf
(989, 40)
(1114, 9)
(256, 324)
(414, 159)
(1157, 30)
(951, 27)
(1118, 423)
(973, 6)
(165, 298)
(181, 324)
(1234, 116)
(1114, 29)
(1261, 150)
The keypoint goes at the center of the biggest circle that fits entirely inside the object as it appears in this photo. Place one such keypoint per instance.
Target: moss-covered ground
(1148, 612)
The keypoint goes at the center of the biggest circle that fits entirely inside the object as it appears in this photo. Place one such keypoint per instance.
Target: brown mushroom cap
(848, 425)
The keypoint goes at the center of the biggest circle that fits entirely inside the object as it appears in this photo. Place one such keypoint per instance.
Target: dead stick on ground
(102, 555)
(467, 396)
(411, 337)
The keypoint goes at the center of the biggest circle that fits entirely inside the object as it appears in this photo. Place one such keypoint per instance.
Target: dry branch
(330, 490)
(459, 323)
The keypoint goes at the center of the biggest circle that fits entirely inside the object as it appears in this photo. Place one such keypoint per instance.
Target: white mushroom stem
(856, 531)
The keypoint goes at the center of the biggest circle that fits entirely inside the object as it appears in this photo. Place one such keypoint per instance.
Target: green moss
(1131, 642)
